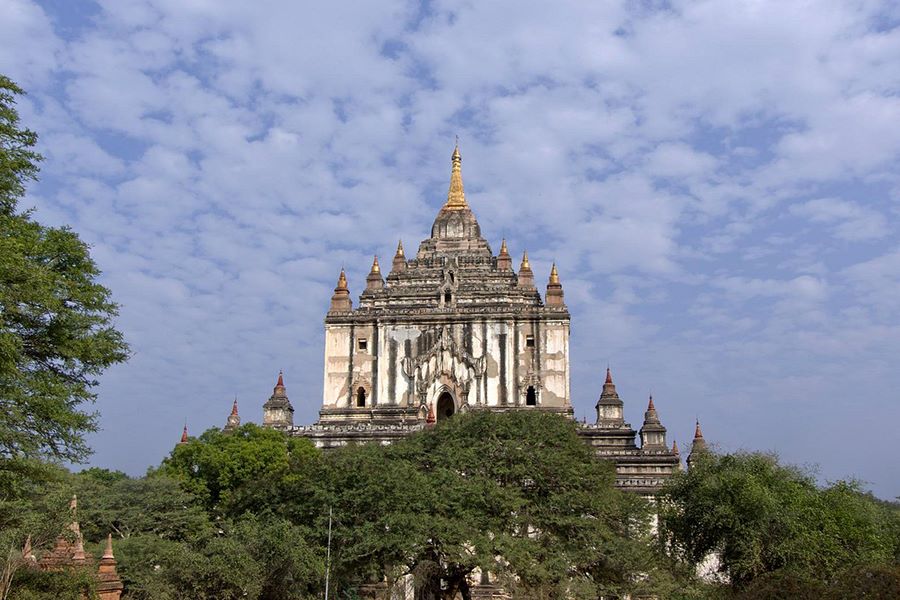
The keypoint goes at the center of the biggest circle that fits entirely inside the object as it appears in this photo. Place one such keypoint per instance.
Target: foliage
(33, 506)
(56, 332)
(231, 471)
(763, 519)
(112, 502)
(32, 584)
(521, 486)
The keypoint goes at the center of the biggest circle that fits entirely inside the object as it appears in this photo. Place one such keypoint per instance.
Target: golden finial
(399, 250)
(504, 251)
(554, 275)
(342, 280)
(456, 195)
(525, 264)
(376, 268)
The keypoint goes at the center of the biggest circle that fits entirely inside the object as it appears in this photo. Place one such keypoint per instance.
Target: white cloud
(225, 159)
(849, 220)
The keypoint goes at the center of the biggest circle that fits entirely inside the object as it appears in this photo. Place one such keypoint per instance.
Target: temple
(456, 328)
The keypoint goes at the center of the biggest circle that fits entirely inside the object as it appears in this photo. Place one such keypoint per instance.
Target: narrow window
(361, 397)
(447, 297)
(531, 396)
(529, 341)
(363, 344)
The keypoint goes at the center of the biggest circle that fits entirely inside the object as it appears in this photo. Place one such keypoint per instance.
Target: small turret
(504, 260)
(109, 585)
(526, 275)
(609, 406)
(374, 280)
(184, 435)
(653, 434)
(399, 263)
(234, 420)
(277, 411)
(340, 300)
(698, 446)
(554, 295)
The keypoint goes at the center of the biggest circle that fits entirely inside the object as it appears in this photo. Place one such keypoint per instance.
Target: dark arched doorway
(445, 406)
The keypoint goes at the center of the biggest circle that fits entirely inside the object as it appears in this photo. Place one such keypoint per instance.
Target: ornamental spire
(184, 435)
(399, 262)
(456, 195)
(698, 447)
(526, 275)
(374, 280)
(504, 260)
(234, 410)
(554, 295)
(340, 300)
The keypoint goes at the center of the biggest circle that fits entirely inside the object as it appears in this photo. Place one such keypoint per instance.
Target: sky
(719, 183)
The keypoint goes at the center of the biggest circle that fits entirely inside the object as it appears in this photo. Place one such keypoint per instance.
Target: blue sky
(718, 182)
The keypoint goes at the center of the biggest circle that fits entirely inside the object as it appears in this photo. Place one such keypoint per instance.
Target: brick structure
(68, 553)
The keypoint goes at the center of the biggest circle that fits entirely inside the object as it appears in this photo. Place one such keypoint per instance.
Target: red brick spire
(698, 435)
(234, 411)
(650, 405)
(675, 450)
(608, 375)
(279, 386)
(184, 435)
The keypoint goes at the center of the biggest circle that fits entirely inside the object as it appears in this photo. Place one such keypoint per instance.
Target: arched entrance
(445, 406)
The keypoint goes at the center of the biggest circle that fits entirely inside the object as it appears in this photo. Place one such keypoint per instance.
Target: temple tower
(451, 329)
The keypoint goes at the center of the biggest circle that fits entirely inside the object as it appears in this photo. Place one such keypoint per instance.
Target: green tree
(770, 523)
(112, 502)
(56, 321)
(235, 472)
(516, 495)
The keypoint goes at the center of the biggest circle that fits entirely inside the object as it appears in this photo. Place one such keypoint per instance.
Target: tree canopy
(56, 321)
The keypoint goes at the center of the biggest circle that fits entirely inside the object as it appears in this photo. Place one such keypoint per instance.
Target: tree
(769, 523)
(56, 329)
(235, 472)
(517, 495)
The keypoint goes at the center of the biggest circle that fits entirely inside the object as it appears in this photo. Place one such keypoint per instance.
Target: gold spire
(525, 264)
(456, 195)
(342, 280)
(554, 275)
(376, 268)
(399, 253)
(504, 251)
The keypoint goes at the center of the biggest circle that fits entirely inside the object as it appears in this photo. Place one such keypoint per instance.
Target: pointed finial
(650, 405)
(184, 436)
(342, 280)
(554, 275)
(698, 435)
(376, 268)
(525, 263)
(504, 251)
(456, 195)
(108, 552)
(234, 410)
(399, 253)
(608, 375)
(280, 383)
(675, 450)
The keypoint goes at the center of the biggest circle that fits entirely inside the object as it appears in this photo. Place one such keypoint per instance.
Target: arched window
(531, 396)
(361, 397)
(447, 297)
